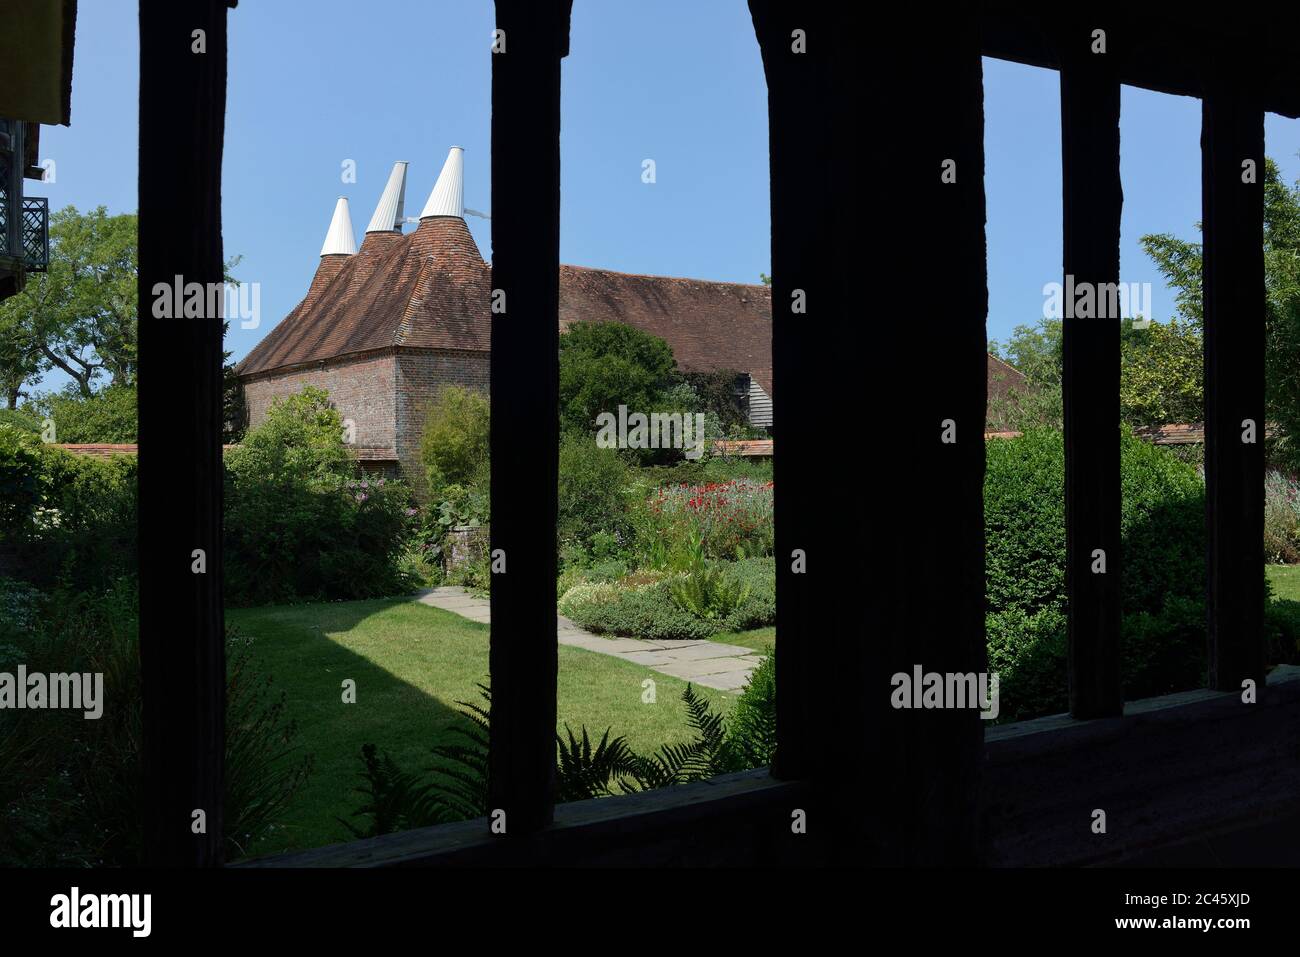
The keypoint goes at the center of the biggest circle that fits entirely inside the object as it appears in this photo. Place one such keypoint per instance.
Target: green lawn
(759, 639)
(1285, 580)
(411, 664)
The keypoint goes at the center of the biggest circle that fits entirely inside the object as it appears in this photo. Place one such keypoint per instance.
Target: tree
(301, 439)
(80, 316)
(1161, 366)
(607, 364)
(21, 358)
(109, 415)
(1180, 261)
(454, 446)
(1035, 351)
(1161, 378)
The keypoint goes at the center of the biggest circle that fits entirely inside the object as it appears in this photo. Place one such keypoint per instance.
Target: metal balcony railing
(35, 239)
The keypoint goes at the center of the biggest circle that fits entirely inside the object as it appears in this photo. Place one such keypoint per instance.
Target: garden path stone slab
(710, 649)
(727, 681)
(708, 666)
(708, 663)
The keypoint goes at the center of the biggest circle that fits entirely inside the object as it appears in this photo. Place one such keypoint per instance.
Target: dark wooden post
(1232, 184)
(891, 572)
(1093, 199)
(182, 647)
(939, 479)
(799, 153)
(532, 38)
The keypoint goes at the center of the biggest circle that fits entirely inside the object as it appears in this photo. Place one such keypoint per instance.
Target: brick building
(386, 326)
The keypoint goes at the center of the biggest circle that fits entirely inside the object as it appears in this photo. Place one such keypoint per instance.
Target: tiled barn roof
(97, 450)
(710, 326)
(431, 289)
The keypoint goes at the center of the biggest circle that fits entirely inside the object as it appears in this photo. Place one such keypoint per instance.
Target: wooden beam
(182, 647)
(1092, 199)
(525, 407)
(1232, 183)
(799, 153)
(892, 575)
(938, 488)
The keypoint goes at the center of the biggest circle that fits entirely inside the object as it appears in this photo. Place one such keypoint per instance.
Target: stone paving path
(708, 663)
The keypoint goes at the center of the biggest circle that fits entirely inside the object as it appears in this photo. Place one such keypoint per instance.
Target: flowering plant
(726, 520)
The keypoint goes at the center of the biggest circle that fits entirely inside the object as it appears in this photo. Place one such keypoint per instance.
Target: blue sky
(406, 79)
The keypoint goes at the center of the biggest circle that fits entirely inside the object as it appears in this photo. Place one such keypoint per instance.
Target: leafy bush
(110, 415)
(1163, 566)
(21, 419)
(1281, 518)
(24, 486)
(299, 524)
(644, 612)
(71, 789)
(707, 591)
(63, 516)
(607, 364)
(751, 728)
(758, 609)
(454, 445)
(1282, 631)
(591, 491)
(643, 605)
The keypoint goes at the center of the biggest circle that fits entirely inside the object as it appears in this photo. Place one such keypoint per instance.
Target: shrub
(607, 364)
(642, 612)
(24, 485)
(1163, 567)
(21, 419)
(70, 789)
(301, 438)
(299, 523)
(591, 491)
(758, 575)
(643, 605)
(1282, 631)
(66, 516)
(454, 446)
(751, 728)
(708, 592)
(1281, 518)
(109, 415)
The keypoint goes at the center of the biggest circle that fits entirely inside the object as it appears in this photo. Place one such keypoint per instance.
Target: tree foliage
(607, 364)
(1161, 366)
(80, 316)
(454, 446)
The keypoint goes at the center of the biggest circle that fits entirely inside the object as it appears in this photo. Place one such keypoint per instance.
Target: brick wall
(420, 377)
(361, 389)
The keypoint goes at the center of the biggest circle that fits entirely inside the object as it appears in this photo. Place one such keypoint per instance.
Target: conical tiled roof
(448, 196)
(340, 240)
(392, 202)
(431, 289)
(426, 289)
